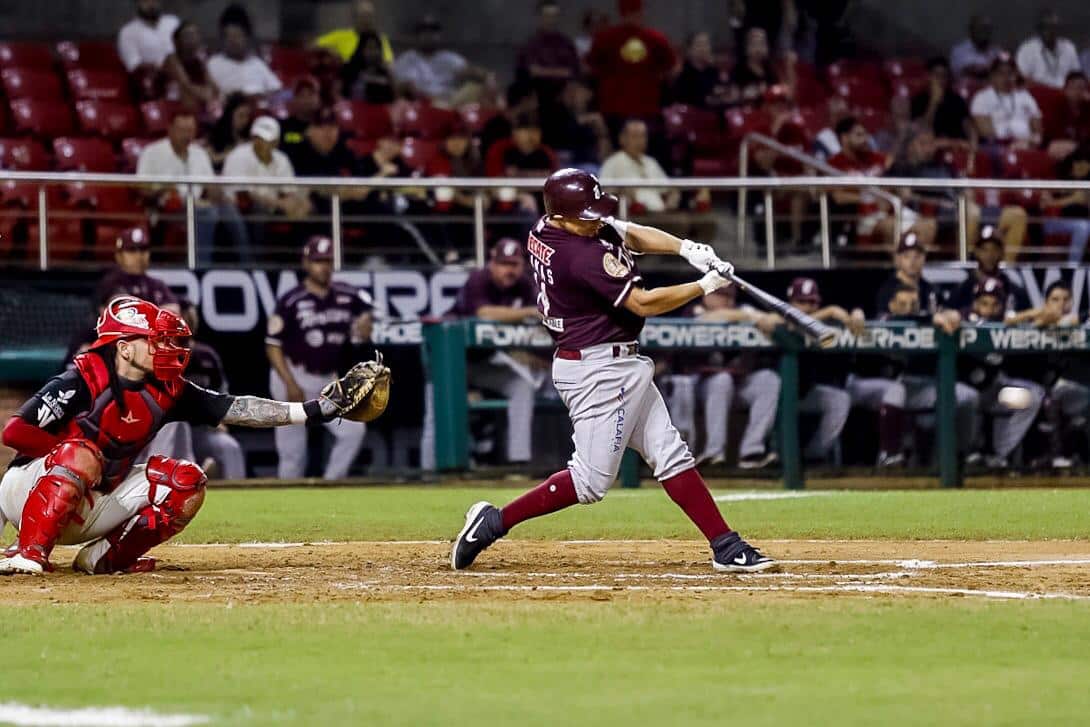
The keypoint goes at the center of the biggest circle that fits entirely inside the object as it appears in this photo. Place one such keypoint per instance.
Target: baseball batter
(593, 303)
(74, 480)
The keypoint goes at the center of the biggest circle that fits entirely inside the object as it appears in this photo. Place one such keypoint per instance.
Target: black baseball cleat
(731, 554)
(484, 526)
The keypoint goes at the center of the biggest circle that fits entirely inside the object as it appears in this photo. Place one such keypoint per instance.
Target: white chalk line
(25, 714)
(758, 495)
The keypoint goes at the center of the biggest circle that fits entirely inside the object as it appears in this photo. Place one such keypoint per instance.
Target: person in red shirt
(874, 218)
(1068, 124)
(630, 62)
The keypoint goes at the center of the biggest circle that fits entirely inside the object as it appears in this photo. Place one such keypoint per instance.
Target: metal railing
(480, 186)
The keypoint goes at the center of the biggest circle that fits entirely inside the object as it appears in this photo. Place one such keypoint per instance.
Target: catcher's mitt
(361, 394)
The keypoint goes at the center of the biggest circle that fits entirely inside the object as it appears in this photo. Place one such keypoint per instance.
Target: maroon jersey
(583, 283)
(90, 401)
(479, 291)
(314, 330)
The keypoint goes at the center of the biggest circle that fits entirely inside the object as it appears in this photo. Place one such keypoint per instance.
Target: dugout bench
(445, 345)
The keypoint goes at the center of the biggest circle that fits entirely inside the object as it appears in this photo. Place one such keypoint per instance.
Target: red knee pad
(80, 457)
(74, 466)
(185, 483)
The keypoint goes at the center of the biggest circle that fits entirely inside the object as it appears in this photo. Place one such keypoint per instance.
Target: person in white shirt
(1002, 111)
(438, 74)
(261, 158)
(237, 68)
(973, 57)
(632, 162)
(145, 41)
(1046, 58)
(179, 155)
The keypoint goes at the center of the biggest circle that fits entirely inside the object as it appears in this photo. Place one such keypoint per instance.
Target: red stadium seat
(475, 117)
(906, 70)
(809, 88)
(84, 155)
(958, 158)
(366, 121)
(131, 149)
(112, 119)
(1050, 100)
(23, 155)
(90, 54)
(103, 85)
(854, 69)
(814, 119)
(1028, 164)
(157, 115)
(25, 55)
(287, 62)
(701, 129)
(360, 147)
(424, 121)
(418, 153)
(862, 92)
(41, 118)
(31, 83)
(874, 119)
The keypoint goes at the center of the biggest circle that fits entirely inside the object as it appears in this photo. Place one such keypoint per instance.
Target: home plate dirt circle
(598, 570)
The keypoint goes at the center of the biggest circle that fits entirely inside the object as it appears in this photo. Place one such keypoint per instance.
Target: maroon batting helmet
(578, 194)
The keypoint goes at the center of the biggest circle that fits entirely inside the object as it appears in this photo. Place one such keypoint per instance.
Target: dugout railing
(446, 343)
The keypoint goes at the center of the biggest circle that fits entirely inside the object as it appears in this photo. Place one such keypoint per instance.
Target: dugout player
(593, 303)
(988, 252)
(74, 481)
(908, 261)
(313, 326)
(132, 253)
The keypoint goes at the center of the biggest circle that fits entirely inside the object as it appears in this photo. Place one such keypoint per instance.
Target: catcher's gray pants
(760, 391)
(833, 404)
(291, 440)
(1011, 426)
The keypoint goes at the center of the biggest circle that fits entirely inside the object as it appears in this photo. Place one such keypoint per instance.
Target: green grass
(852, 662)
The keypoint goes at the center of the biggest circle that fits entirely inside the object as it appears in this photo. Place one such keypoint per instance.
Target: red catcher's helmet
(128, 317)
(577, 194)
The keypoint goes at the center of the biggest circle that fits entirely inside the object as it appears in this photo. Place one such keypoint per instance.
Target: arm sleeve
(54, 405)
(200, 406)
(609, 276)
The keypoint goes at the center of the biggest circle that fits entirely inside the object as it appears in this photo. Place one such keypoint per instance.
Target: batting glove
(711, 282)
(699, 255)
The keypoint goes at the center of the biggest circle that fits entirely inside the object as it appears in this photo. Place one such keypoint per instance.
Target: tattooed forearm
(253, 411)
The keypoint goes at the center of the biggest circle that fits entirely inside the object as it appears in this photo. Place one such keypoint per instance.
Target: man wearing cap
(132, 253)
(313, 328)
(261, 158)
(908, 262)
(502, 291)
(988, 252)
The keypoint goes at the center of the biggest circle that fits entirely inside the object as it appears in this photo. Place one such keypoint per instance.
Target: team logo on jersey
(130, 418)
(539, 249)
(53, 406)
(614, 268)
(315, 338)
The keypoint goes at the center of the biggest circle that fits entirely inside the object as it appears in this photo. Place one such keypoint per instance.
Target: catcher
(74, 480)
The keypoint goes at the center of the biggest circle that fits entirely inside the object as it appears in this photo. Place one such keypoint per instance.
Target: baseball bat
(810, 326)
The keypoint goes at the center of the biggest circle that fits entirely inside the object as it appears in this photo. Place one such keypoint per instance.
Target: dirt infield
(598, 570)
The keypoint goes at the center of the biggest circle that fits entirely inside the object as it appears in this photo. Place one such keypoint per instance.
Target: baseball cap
(267, 128)
(990, 286)
(318, 247)
(134, 238)
(507, 250)
(910, 241)
(988, 233)
(804, 290)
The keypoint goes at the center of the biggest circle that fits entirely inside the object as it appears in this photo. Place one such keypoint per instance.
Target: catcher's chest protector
(121, 432)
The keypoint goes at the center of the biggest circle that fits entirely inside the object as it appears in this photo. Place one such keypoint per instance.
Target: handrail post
(896, 221)
(191, 230)
(963, 228)
(946, 430)
(43, 232)
(478, 226)
(622, 206)
(335, 214)
(743, 172)
(770, 231)
(826, 250)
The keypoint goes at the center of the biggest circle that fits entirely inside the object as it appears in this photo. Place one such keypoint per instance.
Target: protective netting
(39, 318)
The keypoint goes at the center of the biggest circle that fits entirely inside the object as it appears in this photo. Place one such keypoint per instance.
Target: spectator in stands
(630, 62)
(1046, 58)
(1003, 112)
(988, 251)
(324, 154)
(524, 155)
(145, 41)
(1068, 125)
(236, 68)
(701, 82)
(345, 42)
(132, 254)
(827, 142)
(260, 158)
(231, 128)
(386, 161)
(186, 73)
(942, 109)
(367, 76)
(548, 60)
(973, 57)
(592, 22)
(873, 222)
(306, 101)
(1072, 206)
(631, 161)
(429, 72)
(576, 131)
(894, 136)
(755, 72)
(520, 100)
(457, 157)
(179, 154)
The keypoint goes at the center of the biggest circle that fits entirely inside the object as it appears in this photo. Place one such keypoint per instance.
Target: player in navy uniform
(313, 325)
(74, 480)
(132, 252)
(593, 302)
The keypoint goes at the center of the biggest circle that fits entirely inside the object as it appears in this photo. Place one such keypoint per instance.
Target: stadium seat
(41, 118)
(31, 83)
(90, 54)
(475, 117)
(112, 119)
(360, 147)
(701, 129)
(809, 89)
(23, 155)
(911, 71)
(84, 155)
(862, 92)
(873, 119)
(854, 69)
(366, 121)
(287, 62)
(1050, 100)
(1028, 164)
(25, 55)
(424, 121)
(157, 115)
(103, 85)
(131, 149)
(418, 153)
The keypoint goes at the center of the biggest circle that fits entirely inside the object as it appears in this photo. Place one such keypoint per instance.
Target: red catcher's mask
(130, 317)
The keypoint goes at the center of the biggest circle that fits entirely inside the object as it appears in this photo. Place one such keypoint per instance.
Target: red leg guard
(165, 516)
(74, 466)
